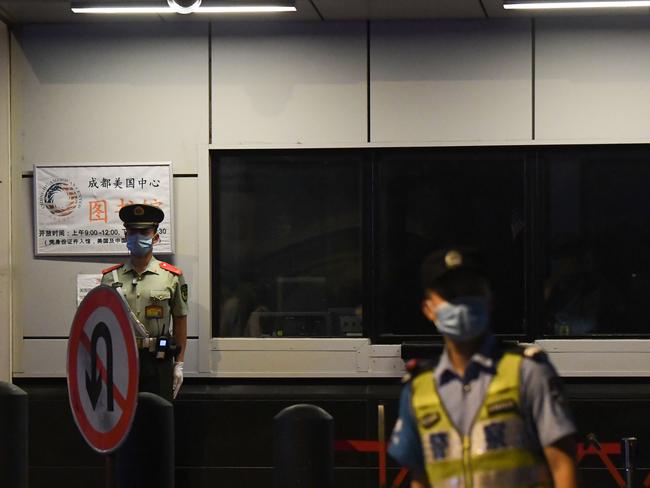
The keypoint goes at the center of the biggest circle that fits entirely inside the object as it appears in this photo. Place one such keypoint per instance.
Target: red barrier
(607, 449)
(367, 446)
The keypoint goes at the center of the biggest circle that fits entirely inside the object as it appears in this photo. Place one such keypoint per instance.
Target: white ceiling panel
(398, 9)
(494, 8)
(20, 11)
(58, 11)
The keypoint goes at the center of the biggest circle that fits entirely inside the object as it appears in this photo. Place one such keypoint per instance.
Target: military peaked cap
(141, 216)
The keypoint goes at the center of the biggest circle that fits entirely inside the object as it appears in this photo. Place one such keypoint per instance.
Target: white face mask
(464, 319)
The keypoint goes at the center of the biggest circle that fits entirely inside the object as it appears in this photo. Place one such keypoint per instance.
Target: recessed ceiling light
(206, 7)
(560, 5)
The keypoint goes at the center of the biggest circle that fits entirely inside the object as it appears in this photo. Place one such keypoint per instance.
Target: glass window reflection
(597, 277)
(288, 237)
(431, 199)
(564, 232)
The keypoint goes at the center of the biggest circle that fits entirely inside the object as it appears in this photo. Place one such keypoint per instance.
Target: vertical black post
(303, 438)
(146, 459)
(13, 436)
(629, 452)
(109, 470)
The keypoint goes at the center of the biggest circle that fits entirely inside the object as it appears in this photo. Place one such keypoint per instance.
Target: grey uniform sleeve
(544, 401)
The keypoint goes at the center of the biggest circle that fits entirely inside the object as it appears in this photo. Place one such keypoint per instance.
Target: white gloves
(178, 377)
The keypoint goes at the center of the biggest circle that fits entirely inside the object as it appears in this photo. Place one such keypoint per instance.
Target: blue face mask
(139, 245)
(464, 319)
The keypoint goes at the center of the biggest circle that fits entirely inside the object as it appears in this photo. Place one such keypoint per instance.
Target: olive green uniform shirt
(154, 296)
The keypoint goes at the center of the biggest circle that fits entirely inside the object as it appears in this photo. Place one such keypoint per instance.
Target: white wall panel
(289, 83)
(44, 357)
(5, 211)
(186, 228)
(44, 296)
(621, 358)
(47, 358)
(593, 79)
(111, 93)
(285, 357)
(451, 81)
(303, 357)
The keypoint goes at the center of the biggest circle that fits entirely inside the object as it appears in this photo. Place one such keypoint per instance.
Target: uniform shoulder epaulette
(415, 367)
(111, 268)
(530, 351)
(170, 268)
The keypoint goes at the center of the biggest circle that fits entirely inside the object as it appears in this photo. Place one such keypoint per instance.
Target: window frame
(610, 352)
(458, 153)
(542, 242)
(215, 243)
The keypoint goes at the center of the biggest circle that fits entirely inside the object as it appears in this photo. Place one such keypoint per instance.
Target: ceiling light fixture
(566, 5)
(174, 7)
(184, 9)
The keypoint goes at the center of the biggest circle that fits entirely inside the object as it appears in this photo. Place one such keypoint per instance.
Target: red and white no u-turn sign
(102, 369)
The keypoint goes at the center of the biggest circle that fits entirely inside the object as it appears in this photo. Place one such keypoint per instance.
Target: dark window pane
(597, 277)
(431, 199)
(287, 227)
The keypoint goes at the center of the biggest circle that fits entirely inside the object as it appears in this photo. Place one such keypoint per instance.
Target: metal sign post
(102, 370)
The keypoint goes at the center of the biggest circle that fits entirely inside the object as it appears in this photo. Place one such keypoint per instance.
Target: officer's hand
(178, 377)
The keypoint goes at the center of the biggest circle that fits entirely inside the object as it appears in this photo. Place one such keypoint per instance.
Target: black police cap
(141, 216)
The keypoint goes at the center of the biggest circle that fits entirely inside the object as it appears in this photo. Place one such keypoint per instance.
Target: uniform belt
(146, 343)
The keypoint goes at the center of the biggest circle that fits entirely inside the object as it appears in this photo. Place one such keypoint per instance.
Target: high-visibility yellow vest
(497, 453)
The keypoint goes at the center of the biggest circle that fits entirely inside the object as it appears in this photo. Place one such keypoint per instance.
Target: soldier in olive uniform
(156, 293)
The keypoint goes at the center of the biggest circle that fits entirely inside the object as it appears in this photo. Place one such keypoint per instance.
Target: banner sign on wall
(76, 208)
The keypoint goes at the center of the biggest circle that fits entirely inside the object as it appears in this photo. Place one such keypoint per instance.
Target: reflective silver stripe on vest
(514, 436)
(522, 477)
(453, 449)
(454, 482)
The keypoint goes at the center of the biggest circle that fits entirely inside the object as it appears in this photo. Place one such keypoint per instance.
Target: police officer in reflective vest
(483, 416)
(156, 295)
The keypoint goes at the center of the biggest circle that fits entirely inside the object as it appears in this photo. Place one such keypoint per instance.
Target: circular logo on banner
(102, 369)
(60, 197)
